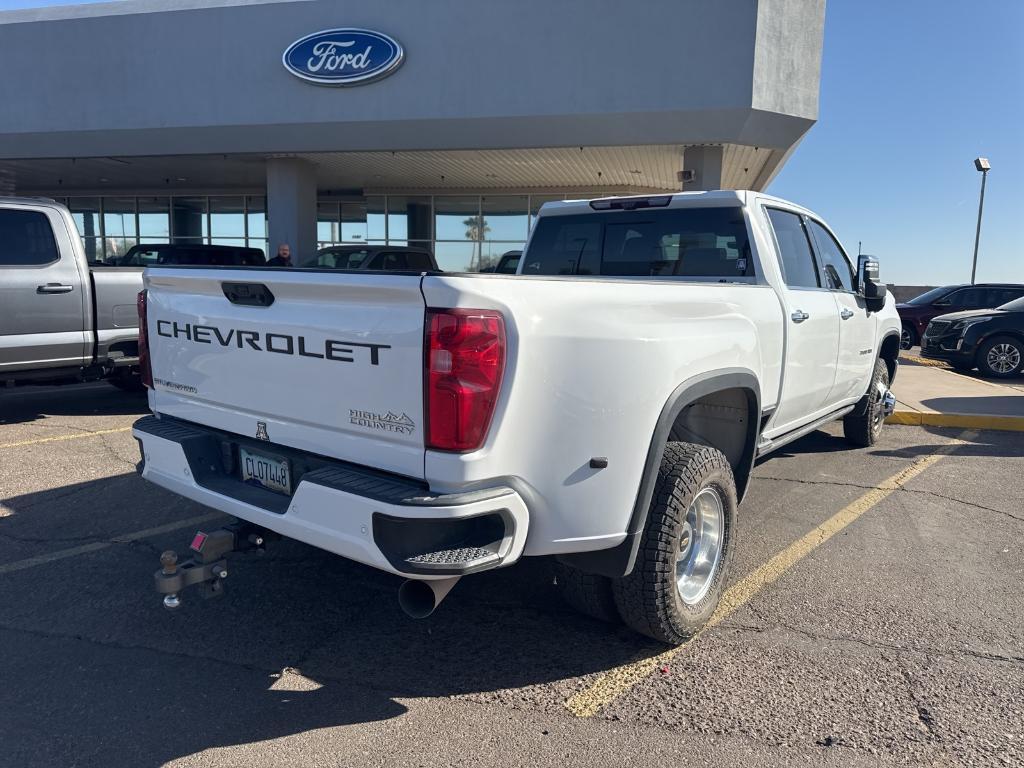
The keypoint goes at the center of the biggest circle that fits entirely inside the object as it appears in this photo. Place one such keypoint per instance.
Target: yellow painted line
(612, 684)
(61, 438)
(62, 554)
(957, 420)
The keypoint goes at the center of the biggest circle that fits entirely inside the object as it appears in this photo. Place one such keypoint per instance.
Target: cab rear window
(686, 243)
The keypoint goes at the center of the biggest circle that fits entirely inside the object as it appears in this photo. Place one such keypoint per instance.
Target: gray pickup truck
(62, 319)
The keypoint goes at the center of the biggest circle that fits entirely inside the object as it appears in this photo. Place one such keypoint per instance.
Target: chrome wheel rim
(700, 546)
(905, 339)
(1003, 358)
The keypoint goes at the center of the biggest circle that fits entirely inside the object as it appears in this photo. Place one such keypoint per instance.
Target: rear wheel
(1001, 357)
(908, 336)
(863, 426)
(680, 570)
(127, 380)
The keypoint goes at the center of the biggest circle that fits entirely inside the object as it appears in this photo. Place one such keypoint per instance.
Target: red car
(919, 311)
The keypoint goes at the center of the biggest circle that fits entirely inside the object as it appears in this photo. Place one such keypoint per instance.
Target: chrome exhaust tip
(419, 598)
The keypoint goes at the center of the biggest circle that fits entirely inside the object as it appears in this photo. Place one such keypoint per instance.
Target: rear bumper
(385, 521)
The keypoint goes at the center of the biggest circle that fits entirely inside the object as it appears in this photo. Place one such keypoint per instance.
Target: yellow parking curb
(925, 361)
(959, 420)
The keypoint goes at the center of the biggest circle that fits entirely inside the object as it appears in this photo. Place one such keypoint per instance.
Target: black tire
(648, 599)
(864, 424)
(586, 593)
(1001, 357)
(127, 380)
(908, 336)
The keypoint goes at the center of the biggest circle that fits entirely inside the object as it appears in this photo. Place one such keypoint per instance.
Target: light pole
(982, 164)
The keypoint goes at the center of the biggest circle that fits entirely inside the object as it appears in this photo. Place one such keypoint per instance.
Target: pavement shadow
(19, 405)
(148, 686)
(990, 443)
(997, 405)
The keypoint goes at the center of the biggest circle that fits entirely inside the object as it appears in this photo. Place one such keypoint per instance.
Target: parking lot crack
(901, 489)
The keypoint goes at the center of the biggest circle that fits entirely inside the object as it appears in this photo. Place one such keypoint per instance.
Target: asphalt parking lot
(877, 618)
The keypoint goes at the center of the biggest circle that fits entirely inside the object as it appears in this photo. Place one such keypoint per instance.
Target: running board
(766, 446)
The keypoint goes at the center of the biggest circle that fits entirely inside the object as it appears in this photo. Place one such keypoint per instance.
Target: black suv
(374, 257)
(991, 340)
(917, 312)
(153, 254)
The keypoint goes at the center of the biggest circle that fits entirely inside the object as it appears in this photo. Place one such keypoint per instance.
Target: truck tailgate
(330, 363)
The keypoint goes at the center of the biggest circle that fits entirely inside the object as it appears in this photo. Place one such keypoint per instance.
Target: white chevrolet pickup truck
(605, 405)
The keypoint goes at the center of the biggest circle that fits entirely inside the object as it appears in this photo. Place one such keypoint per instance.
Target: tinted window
(26, 239)
(928, 297)
(967, 298)
(838, 272)
(798, 267)
(419, 260)
(339, 259)
(999, 296)
(394, 260)
(681, 242)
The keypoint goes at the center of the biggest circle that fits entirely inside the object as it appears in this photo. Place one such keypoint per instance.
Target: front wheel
(1001, 357)
(686, 545)
(908, 336)
(864, 424)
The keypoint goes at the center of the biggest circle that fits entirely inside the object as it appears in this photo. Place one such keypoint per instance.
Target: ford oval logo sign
(343, 56)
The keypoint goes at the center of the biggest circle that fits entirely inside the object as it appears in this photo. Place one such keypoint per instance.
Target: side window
(966, 298)
(419, 261)
(999, 296)
(798, 268)
(393, 261)
(26, 239)
(837, 269)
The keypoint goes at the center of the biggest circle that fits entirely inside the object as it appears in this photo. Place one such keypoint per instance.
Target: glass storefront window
(86, 213)
(409, 217)
(506, 216)
(257, 207)
(455, 257)
(328, 224)
(119, 217)
(116, 247)
(353, 222)
(227, 218)
(154, 219)
(457, 218)
(188, 219)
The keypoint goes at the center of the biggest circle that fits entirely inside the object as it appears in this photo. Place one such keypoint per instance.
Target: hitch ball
(171, 601)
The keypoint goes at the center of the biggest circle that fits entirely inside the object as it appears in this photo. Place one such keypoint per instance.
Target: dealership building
(445, 123)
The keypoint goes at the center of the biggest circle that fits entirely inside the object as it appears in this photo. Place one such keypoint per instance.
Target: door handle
(846, 314)
(54, 288)
(799, 316)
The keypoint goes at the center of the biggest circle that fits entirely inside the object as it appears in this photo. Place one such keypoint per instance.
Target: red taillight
(465, 351)
(145, 369)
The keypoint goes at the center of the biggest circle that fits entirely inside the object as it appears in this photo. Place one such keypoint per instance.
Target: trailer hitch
(208, 567)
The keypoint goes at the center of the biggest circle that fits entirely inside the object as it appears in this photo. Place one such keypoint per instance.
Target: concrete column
(706, 165)
(291, 206)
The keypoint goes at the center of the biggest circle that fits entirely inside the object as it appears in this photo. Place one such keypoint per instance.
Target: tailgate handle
(249, 294)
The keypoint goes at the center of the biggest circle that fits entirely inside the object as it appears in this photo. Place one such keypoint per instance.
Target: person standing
(283, 258)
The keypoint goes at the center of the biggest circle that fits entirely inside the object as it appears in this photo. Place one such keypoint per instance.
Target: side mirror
(868, 284)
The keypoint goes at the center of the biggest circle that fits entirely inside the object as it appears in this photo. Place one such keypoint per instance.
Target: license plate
(270, 472)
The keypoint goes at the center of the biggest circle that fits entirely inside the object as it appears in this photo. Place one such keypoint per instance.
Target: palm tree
(476, 230)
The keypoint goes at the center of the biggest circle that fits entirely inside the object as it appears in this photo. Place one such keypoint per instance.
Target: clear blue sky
(911, 92)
